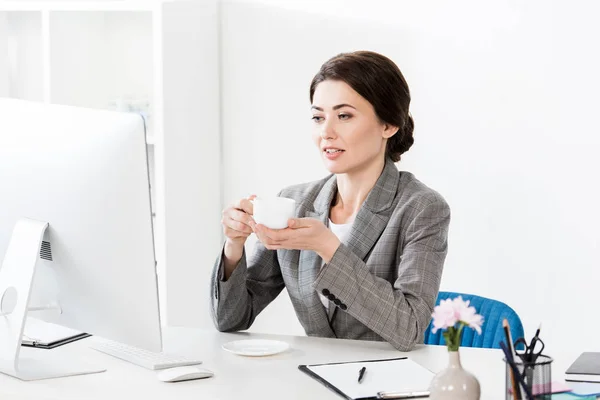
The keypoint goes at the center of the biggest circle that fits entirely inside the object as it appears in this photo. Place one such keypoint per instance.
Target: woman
(364, 257)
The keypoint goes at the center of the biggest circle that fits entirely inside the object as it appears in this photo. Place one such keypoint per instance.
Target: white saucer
(256, 347)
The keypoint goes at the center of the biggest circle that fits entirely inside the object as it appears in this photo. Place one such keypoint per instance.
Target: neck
(354, 187)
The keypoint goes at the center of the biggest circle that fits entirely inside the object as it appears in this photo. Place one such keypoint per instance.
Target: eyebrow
(334, 107)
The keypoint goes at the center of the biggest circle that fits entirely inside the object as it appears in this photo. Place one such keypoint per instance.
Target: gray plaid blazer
(382, 282)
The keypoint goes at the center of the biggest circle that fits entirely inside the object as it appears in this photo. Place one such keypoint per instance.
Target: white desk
(273, 377)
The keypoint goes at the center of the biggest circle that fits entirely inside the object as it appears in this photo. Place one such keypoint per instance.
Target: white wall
(21, 55)
(504, 100)
(505, 104)
(4, 82)
(189, 158)
(80, 73)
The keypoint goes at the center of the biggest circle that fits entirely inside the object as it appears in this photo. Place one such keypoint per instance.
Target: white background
(505, 98)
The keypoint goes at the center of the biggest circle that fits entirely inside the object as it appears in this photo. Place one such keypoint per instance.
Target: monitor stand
(16, 280)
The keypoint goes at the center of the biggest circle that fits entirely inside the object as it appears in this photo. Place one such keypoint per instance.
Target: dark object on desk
(534, 378)
(586, 368)
(56, 343)
(361, 373)
(529, 354)
(513, 370)
(530, 351)
(537, 332)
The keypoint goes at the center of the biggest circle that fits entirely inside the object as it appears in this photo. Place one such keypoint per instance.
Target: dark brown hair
(377, 79)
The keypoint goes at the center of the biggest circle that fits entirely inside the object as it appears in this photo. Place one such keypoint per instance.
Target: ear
(389, 131)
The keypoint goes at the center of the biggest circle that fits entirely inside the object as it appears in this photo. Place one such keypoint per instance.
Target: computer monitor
(85, 173)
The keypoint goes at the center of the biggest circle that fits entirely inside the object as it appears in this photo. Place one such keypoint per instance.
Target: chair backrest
(492, 332)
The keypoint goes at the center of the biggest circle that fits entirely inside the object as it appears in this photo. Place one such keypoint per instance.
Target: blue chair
(492, 331)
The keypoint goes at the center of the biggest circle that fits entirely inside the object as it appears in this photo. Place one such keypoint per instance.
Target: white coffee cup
(274, 212)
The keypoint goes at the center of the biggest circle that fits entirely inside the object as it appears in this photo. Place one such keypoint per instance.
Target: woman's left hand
(301, 234)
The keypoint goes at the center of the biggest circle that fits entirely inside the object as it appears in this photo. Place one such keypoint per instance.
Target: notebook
(389, 375)
(585, 369)
(585, 388)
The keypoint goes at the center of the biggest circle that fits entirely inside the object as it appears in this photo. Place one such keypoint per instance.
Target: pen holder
(537, 376)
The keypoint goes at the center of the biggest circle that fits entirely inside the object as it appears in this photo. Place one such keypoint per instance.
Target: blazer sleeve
(236, 302)
(398, 312)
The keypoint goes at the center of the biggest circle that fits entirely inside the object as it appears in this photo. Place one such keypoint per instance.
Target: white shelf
(80, 5)
(110, 57)
(21, 55)
(156, 57)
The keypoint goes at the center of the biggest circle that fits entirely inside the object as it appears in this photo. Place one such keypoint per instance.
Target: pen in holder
(535, 374)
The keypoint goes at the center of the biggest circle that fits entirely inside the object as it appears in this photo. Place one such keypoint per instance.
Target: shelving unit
(155, 57)
(61, 57)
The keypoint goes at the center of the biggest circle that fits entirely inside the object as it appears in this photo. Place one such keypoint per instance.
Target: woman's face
(347, 132)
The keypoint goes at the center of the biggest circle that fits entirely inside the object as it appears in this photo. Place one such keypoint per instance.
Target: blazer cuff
(332, 281)
(237, 278)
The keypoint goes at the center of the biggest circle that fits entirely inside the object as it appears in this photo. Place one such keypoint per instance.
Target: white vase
(454, 383)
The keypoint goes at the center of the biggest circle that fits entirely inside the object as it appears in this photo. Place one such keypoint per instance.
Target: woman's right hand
(237, 221)
(238, 224)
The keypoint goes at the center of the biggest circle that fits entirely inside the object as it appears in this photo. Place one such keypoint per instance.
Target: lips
(331, 153)
(332, 150)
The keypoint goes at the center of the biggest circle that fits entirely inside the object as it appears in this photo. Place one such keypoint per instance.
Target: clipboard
(389, 375)
(50, 345)
(46, 335)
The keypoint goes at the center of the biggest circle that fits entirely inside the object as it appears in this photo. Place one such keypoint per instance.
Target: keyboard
(141, 357)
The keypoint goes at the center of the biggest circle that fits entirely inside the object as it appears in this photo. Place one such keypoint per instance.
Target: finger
(266, 241)
(233, 234)
(276, 235)
(273, 247)
(237, 225)
(297, 223)
(241, 216)
(245, 205)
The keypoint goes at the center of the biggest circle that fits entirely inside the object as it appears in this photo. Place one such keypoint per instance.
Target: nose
(328, 131)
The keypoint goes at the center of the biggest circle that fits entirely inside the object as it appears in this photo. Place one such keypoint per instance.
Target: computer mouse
(178, 374)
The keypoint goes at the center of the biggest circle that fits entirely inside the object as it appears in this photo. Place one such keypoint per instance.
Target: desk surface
(272, 377)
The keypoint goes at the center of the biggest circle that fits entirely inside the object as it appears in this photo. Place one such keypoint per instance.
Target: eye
(316, 118)
(344, 117)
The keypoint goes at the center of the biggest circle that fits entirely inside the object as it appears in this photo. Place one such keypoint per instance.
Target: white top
(341, 231)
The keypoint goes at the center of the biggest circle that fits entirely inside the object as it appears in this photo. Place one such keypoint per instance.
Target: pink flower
(449, 312)
(469, 316)
(444, 315)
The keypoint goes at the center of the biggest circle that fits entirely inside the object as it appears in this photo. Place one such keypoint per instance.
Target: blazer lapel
(368, 225)
(310, 264)
(372, 219)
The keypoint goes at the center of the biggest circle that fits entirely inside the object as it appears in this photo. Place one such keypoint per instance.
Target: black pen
(518, 377)
(537, 333)
(532, 343)
(361, 373)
